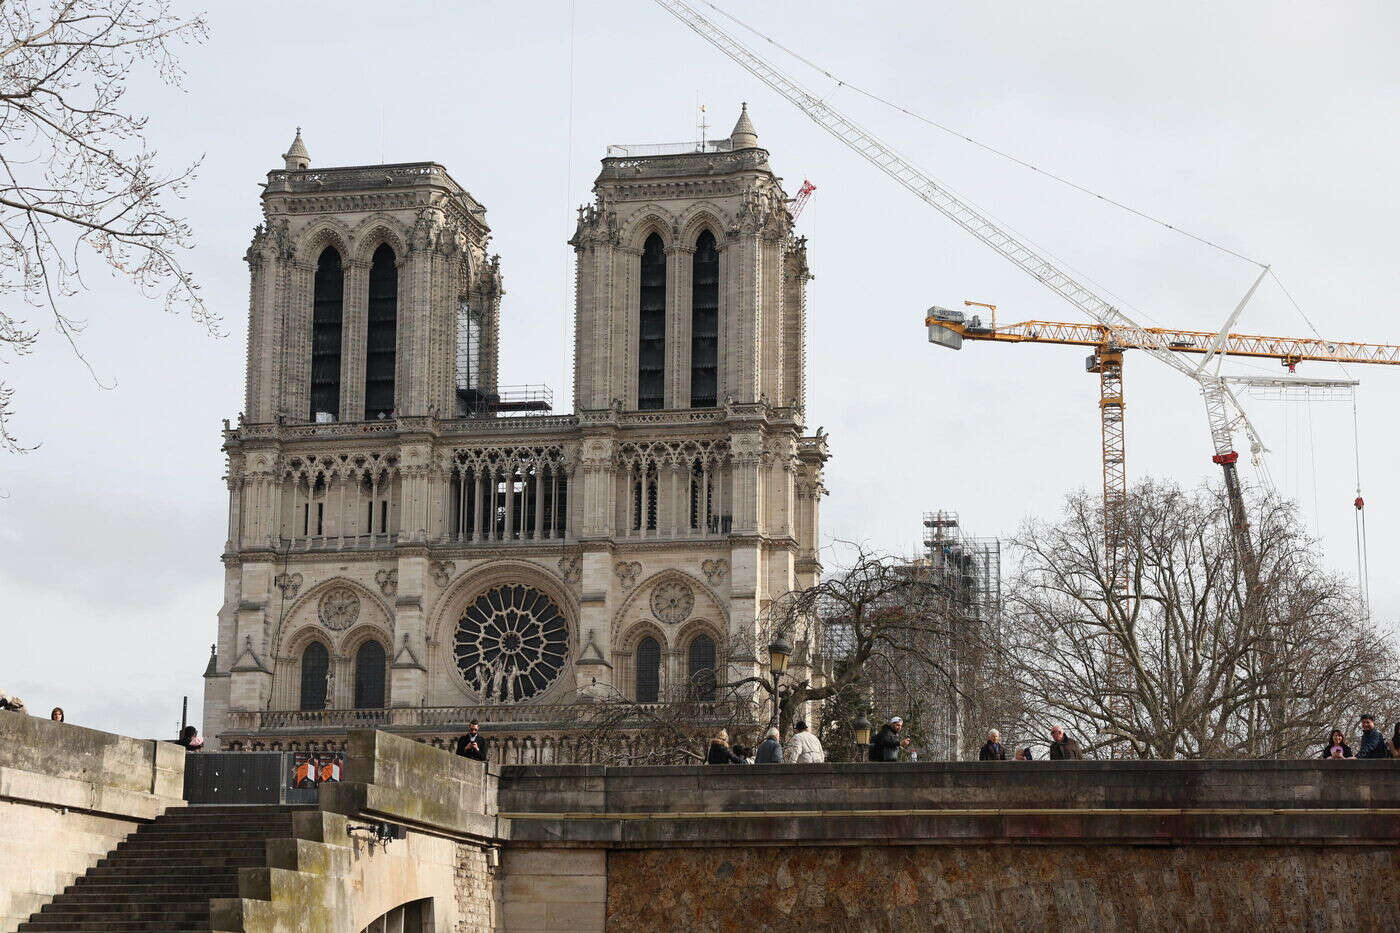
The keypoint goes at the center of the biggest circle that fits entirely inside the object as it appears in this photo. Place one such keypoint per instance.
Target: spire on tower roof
(744, 136)
(296, 157)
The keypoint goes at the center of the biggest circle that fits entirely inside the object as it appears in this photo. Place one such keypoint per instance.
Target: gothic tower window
(704, 323)
(700, 669)
(382, 334)
(326, 307)
(315, 662)
(648, 671)
(369, 676)
(651, 329)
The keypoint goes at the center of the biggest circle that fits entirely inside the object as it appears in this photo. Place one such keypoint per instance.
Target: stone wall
(999, 887)
(68, 795)
(547, 890)
(963, 845)
(477, 906)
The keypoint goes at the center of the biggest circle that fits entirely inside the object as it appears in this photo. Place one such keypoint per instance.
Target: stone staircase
(162, 876)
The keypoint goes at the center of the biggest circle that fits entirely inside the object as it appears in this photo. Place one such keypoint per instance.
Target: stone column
(770, 335)
(353, 335)
(295, 365)
(597, 509)
(414, 499)
(680, 260)
(251, 668)
(596, 582)
(746, 453)
(744, 315)
(408, 676)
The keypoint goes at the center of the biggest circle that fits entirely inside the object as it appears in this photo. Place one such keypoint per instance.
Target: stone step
(157, 886)
(209, 835)
(145, 847)
(161, 877)
(111, 926)
(175, 868)
(184, 894)
(100, 913)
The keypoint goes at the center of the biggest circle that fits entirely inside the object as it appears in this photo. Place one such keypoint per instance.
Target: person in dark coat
(1064, 748)
(190, 740)
(1336, 746)
(770, 750)
(992, 749)
(473, 744)
(720, 752)
(1372, 742)
(888, 741)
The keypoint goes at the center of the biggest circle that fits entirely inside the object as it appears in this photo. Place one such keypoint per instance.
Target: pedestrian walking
(473, 744)
(1062, 747)
(992, 749)
(720, 753)
(805, 748)
(888, 741)
(1336, 746)
(770, 750)
(1372, 742)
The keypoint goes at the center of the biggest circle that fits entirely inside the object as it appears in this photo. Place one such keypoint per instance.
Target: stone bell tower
(361, 277)
(690, 383)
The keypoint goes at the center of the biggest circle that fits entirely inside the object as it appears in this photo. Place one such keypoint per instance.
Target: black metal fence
(247, 778)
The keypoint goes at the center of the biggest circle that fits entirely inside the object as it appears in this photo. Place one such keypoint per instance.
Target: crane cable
(569, 298)
(1361, 544)
(979, 144)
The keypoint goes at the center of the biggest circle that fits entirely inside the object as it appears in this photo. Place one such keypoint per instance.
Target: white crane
(1223, 410)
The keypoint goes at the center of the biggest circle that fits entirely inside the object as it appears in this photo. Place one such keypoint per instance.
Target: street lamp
(778, 653)
(861, 729)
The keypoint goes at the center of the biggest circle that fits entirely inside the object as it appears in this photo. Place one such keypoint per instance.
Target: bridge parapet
(1155, 802)
(416, 785)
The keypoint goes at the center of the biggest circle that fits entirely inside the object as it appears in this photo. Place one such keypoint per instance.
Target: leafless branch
(76, 177)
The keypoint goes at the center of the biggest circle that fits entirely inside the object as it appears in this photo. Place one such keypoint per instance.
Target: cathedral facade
(412, 546)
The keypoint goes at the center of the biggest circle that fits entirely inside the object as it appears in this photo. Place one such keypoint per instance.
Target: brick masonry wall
(1002, 887)
(477, 909)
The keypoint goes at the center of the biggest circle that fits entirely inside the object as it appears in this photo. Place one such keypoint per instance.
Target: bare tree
(620, 731)
(1174, 666)
(853, 635)
(76, 175)
(878, 628)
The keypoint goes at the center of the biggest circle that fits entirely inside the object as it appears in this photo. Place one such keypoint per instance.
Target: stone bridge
(995, 845)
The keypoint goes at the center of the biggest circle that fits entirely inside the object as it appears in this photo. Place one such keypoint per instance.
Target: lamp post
(778, 654)
(861, 730)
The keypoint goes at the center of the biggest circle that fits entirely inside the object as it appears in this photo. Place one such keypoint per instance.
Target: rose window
(511, 643)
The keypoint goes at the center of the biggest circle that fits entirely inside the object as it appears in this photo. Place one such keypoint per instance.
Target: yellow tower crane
(950, 328)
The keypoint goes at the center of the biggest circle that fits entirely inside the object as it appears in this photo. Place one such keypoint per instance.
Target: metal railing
(627, 150)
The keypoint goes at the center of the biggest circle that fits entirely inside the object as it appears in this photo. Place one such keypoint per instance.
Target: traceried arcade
(511, 643)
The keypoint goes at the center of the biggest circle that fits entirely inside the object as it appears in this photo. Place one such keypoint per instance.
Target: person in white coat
(804, 747)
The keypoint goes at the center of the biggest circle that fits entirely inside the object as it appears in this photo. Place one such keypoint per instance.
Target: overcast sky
(1269, 127)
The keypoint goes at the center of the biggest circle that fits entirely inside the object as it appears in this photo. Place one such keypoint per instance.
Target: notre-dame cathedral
(412, 546)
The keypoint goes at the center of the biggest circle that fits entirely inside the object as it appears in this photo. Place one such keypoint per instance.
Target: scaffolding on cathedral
(966, 570)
